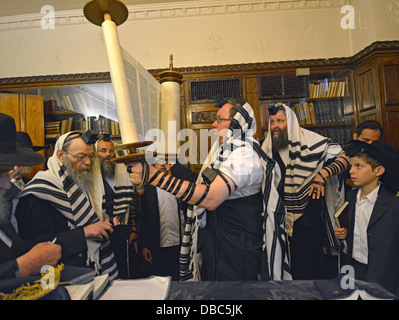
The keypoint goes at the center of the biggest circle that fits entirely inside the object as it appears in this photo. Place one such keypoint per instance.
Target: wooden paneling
(28, 113)
(33, 122)
(9, 104)
(391, 128)
(390, 80)
(366, 91)
(388, 69)
(252, 97)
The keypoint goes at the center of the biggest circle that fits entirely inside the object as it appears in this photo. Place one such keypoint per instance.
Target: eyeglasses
(91, 156)
(220, 120)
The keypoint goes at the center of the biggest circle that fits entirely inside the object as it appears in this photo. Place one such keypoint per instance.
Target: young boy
(373, 214)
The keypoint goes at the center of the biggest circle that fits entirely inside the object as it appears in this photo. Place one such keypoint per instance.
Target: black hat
(10, 153)
(386, 156)
(220, 100)
(24, 141)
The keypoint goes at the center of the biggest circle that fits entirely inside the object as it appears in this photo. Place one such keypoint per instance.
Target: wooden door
(388, 70)
(28, 113)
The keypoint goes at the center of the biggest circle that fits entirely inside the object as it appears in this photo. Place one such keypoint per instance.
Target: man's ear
(380, 170)
(61, 155)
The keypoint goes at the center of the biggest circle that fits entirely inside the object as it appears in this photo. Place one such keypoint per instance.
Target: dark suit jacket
(38, 221)
(8, 255)
(382, 238)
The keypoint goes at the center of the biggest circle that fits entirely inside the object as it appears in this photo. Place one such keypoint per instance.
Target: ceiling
(18, 7)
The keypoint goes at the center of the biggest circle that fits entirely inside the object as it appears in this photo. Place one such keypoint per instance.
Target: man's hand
(317, 188)
(98, 230)
(341, 233)
(146, 253)
(135, 170)
(133, 239)
(17, 172)
(44, 253)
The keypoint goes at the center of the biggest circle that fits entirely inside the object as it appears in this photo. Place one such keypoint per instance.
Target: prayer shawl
(78, 207)
(123, 194)
(306, 155)
(240, 134)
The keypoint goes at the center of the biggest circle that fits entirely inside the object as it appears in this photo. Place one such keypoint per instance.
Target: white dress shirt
(363, 211)
(169, 219)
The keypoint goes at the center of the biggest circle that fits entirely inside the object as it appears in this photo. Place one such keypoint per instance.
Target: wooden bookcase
(324, 105)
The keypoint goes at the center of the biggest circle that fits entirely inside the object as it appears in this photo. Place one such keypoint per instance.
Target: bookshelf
(59, 120)
(326, 108)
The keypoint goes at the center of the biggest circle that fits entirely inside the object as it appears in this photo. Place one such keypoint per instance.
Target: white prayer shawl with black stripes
(240, 134)
(80, 208)
(124, 193)
(306, 155)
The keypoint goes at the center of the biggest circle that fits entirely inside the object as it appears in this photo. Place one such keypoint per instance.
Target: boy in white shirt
(373, 214)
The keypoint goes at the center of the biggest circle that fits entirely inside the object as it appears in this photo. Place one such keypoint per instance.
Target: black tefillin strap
(171, 183)
(203, 196)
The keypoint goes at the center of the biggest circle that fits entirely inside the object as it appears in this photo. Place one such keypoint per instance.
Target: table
(243, 290)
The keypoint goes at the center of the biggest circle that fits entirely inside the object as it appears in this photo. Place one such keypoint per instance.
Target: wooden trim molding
(103, 77)
(171, 10)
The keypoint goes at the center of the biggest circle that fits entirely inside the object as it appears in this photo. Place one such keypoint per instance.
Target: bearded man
(64, 203)
(227, 205)
(308, 166)
(119, 202)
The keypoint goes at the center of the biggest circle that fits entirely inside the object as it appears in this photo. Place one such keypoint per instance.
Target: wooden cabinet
(28, 113)
(376, 79)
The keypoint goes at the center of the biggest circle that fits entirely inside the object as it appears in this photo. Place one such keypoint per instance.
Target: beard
(107, 167)
(82, 176)
(279, 140)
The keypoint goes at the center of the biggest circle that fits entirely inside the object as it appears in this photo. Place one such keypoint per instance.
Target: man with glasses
(226, 199)
(64, 204)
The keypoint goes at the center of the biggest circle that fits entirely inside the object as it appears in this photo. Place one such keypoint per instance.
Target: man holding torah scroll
(227, 219)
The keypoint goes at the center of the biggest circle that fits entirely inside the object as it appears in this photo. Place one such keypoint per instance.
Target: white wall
(376, 20)
(197, 33)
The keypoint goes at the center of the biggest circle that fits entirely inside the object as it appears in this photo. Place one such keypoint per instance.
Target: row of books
(329, 89)
(339, 135)
(53, 129)
(323, 112)
(103, 125)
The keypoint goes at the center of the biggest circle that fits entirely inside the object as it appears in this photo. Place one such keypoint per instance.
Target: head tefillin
(106, 136)
(88, 137)
(220, 101)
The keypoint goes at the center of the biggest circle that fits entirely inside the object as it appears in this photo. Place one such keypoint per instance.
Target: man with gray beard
(118, 203)
(65, 203)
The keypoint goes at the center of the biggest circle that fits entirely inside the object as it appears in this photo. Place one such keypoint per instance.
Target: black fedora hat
(10, 153)
(24, 141)
(386, 156)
